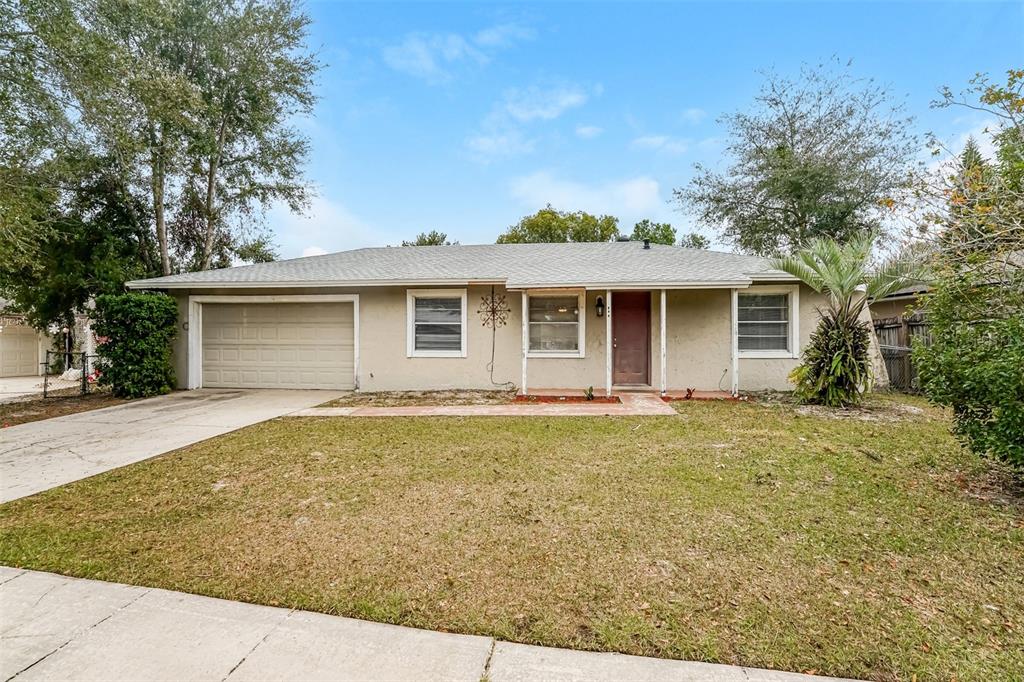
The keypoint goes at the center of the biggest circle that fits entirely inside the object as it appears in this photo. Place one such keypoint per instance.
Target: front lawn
(866, 546)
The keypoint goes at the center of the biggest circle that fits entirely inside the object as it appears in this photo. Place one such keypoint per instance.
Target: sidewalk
(58, 628)
(632, 405)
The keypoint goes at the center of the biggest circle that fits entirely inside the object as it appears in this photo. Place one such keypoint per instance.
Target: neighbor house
(898, 304)
(537, 316)
(22, 348)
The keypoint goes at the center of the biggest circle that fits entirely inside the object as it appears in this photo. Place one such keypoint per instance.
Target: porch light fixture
(600, 307)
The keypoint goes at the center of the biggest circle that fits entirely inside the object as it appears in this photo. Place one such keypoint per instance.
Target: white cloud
(504, 35)
(630, 200)
(429, 56)
(661, 143)
(434, 56)
(509, 142)
(542, 103)
(588, 132)
(503, 132)
(327, 226)
(693, 115)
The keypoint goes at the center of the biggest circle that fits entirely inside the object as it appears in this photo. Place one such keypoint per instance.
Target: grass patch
(34, 409)
(737, 533)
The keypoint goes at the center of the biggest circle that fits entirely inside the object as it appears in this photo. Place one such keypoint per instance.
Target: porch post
(735, 340)
(526, 336)
(608, 342)
(664, 353)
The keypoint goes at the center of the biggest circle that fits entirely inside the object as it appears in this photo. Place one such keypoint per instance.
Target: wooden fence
(895, 339)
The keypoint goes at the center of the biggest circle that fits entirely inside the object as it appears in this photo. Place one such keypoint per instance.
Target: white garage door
(19, 351)
(278, 345)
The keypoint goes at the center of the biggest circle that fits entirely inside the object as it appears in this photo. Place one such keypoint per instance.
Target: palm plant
(836, 367)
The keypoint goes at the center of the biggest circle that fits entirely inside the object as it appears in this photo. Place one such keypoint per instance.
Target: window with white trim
(555, 325)
(436, 323)
(765, 323)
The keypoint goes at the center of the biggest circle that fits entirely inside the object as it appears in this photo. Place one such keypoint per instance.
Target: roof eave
(294, 284)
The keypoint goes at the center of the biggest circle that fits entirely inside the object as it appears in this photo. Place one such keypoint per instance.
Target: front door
(631, 338)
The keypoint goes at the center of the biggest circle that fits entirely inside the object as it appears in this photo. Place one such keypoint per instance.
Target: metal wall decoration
(493, 310)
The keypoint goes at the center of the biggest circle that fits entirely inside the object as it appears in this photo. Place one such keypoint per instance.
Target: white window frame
(410, 322)
(581, 327)
(793, 291)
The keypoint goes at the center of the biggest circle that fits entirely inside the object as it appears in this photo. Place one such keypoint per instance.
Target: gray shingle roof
(517, 265)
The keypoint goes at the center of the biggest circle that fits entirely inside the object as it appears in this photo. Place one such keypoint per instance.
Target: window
(436, 323)
(556, 325)
(766, 323)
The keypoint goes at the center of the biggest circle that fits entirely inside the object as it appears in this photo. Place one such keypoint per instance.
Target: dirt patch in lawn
(732, 532)
(34, 409)
(403, 398)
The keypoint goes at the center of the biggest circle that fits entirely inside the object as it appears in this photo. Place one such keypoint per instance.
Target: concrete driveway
(45, 454)
(17, 388)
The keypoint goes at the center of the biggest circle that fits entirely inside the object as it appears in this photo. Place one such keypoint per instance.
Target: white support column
(608, 341)
(664, 350)
(526, 337)
(735, 341)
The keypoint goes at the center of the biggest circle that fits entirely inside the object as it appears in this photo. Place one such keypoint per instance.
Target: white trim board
(195, 326)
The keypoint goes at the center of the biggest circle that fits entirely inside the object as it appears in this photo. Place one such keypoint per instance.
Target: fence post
(46, 375)
(85, 371)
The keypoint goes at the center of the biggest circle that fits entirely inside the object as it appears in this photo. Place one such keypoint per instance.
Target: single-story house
(551, 316)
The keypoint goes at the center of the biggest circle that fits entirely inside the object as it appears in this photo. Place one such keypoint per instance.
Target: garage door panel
(19, 351)
(278, 345)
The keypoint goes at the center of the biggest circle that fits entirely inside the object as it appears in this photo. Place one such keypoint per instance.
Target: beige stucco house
(539, 316)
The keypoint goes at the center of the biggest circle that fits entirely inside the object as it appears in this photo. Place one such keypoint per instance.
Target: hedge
(135, 332)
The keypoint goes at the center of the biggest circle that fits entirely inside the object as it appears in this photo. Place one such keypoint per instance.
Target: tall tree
(99, 237)
(432, 238)
(242, 153)
(34, 124)
(659, 233)
(825, 155)
(550, 225)
(193, 99)
(975, 221)
(694, 240)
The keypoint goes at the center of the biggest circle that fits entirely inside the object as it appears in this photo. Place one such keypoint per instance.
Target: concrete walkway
(632, 405)
(58, 628)
(44, 454)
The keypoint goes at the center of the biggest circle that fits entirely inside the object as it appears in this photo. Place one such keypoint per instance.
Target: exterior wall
(698, 344)
(884, 309)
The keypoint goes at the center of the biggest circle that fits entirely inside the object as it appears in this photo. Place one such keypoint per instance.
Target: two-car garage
(277, 344)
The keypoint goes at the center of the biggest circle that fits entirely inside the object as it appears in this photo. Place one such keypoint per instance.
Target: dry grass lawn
(738, 533)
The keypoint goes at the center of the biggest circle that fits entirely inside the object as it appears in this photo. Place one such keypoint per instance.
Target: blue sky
(465, 117)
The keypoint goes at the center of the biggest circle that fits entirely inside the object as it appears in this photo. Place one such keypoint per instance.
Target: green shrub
(976, 367)
(135, 354)
(836, 365)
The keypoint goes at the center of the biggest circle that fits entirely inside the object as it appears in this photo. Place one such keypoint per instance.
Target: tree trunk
(157, 168)
(211, 199)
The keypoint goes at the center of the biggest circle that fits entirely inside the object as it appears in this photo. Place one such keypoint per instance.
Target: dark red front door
(631, 337)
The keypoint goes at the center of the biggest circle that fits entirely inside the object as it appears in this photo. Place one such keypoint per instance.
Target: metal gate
(69, 374)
